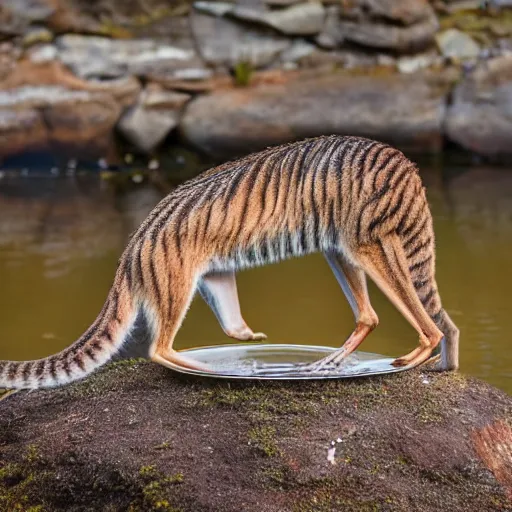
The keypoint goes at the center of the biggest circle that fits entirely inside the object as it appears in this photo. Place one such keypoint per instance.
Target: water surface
(60, 238)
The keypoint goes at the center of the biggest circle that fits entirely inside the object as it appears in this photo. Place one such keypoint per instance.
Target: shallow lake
(60, 238)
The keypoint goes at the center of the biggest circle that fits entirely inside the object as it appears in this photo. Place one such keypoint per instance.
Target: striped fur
(323, 194)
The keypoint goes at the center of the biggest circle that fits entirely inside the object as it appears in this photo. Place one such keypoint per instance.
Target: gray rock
(222, 42)
(91, 56)
(156, 113)
(375, 34)
(406, 111)
(331, 35)
(480, 116)
(304, 19)
(455, 44)
(30, 10)
(299, 49)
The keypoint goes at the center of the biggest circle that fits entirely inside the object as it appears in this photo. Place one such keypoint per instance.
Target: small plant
(243, 71)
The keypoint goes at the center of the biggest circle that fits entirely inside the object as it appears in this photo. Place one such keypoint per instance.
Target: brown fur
(359, 200)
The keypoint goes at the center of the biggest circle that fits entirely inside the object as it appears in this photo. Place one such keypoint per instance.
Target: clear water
(60, 238)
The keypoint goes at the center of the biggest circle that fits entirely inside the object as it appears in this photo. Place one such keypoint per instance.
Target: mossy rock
(137, 437)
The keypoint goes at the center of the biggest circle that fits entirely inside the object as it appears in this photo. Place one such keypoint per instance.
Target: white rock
(456, 44)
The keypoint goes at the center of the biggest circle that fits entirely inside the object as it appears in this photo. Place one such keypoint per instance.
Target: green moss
(16, 484)
(157, 490)
(263, 439)
(243, 71)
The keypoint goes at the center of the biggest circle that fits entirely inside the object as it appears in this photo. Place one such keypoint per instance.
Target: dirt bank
(138, 437)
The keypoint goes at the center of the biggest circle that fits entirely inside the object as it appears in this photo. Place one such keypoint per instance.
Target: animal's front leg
(219, 291)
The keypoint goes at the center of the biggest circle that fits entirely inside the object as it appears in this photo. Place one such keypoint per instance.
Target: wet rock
(157, 112)
(480, 116)
(223, 42)
(91, 56)
(407, 111)
(455, 44)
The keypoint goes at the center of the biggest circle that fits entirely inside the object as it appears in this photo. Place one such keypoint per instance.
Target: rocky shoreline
(230, 77)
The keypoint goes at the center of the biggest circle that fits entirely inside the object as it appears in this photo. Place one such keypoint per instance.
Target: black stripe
(418, 285)
(79, 361)
(65, 366)
(155, 282)
(437, 316)
(53, 367)
(39, 369)
(419, 229)
(419, 247)
(420, 264)
(428, 297)
(90, 353)
(27, 367)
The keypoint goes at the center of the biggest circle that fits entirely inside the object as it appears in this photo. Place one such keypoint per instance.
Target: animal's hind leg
(385, 262)
(353, 283)
(161, 350)
(219, 291)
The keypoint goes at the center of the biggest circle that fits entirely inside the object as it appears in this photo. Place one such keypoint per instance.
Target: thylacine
(358, 201)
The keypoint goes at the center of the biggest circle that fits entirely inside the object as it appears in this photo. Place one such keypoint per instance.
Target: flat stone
(457, 45)
(223, 42)
(304, 19)
(374, 34)
(406, 111)
(152, 118)
(480, 115)
(91, 56)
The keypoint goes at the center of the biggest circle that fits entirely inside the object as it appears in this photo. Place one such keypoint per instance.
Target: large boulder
(223, 42)
(480, 116)
(137, 438)
(44, 107)
(406, 111)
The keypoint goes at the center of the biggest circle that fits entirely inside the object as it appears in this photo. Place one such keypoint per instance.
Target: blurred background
(106, 105)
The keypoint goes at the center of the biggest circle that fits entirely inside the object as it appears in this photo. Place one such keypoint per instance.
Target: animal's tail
(93, 349)
(417, 236)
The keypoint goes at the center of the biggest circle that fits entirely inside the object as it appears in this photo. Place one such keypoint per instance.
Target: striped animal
(359, 202)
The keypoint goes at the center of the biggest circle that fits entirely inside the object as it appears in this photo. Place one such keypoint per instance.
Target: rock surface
(52, 115)
(221, 42)
(136, 437)
(480, 116)
(406, 111)
(157, 112)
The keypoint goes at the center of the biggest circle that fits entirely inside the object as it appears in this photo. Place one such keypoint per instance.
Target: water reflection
(60, 239)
